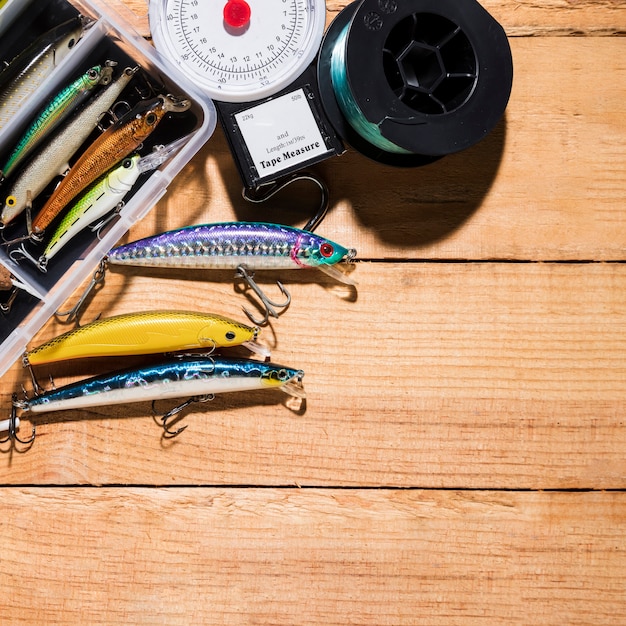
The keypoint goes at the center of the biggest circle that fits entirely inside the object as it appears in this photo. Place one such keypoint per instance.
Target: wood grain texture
(113, 556)
(480, 361)
(525, 18)
(473, 375)
(547, 184)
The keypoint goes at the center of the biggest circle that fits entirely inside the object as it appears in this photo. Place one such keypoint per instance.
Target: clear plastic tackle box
(110, 37)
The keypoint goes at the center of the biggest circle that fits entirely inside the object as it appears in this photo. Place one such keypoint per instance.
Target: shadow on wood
(415, 207)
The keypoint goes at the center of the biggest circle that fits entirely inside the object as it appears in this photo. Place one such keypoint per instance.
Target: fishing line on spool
(349, 107)
(406, 83)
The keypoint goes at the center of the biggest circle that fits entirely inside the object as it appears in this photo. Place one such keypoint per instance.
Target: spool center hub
(430, 63)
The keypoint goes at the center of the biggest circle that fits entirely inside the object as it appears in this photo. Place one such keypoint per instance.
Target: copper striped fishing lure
(149, 332)
(115, 143)
(53, 158)
(242, 246)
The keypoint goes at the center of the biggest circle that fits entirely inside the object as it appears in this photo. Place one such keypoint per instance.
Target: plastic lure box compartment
(110, 37)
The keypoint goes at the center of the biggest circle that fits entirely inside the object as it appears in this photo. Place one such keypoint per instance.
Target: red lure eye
(326, 250)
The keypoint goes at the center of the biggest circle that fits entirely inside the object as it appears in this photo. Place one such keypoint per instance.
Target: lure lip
(294, 387)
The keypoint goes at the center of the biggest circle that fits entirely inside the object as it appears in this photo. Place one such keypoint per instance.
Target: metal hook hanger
(166, 419)
(266, 191)
(268, 305)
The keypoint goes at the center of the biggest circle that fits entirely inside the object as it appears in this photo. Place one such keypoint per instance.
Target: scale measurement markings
(224, 62)
(239, 58)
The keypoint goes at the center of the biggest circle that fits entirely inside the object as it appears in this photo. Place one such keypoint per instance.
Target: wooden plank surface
(492, 201)
(473, 375)
(521, 18)
(291, 556)
(461, 450)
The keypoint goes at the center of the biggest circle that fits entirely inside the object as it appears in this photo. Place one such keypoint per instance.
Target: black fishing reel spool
(434, 76)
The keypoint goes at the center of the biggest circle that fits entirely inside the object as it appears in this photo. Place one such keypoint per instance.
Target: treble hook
(269, 305)
(98, 227)
(12, 425)
(166, 419)
(111, 116)
(266, 191)
(71, 315)
(21, 253)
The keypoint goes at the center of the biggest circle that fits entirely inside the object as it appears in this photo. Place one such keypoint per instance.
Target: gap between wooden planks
(547, 184)
(129, 555)
(478, 375)
(290, 556)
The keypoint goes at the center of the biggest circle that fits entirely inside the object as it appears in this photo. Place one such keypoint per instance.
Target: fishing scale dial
(239, 50)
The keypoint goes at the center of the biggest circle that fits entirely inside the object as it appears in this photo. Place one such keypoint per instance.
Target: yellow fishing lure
(148, 332)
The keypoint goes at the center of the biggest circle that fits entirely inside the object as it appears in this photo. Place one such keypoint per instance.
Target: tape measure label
(281, 133)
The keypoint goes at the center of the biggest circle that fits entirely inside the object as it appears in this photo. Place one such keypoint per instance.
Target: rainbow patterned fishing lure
(229, 245)
(148, 332)
(243, 246)
(198, 379)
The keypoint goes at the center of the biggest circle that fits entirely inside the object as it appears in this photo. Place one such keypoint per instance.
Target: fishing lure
(242, 246)
(199, 379)
(228, 245)
(52, 160)
(54, 112)
(115, 143)
(101, 198)
(148, 332)
(26, 72)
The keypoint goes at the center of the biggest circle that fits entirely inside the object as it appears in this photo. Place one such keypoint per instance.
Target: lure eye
(92, 74)
(326, 250)
(230, 335)
(151, 119)
(71, 43)
(11, 201)
(282, 375)
(127, 163)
